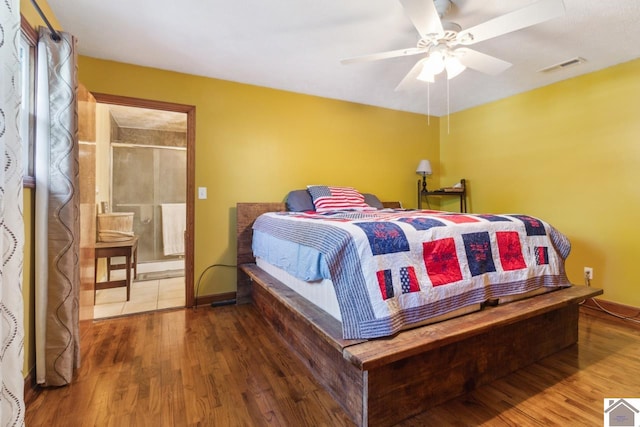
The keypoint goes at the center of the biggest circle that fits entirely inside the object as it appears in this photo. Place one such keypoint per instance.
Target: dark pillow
(372, 201)
(299, 201)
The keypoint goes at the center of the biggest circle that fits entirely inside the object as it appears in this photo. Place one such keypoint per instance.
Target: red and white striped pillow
(326, 198)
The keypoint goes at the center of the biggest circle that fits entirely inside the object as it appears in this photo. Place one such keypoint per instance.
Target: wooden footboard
(386, 380)
(383, 381)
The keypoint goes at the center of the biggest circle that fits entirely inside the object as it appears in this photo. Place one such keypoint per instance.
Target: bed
(384, 375)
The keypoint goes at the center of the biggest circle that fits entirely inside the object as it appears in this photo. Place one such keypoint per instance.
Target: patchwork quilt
(395, 268)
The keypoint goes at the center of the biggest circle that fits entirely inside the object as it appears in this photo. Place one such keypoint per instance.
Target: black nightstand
(457, 192)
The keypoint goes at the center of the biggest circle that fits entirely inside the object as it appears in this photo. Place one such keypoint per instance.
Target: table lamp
(424, 169)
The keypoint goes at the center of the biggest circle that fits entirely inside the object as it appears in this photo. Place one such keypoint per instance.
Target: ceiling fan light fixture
(434, 64)
(437, 62)
(426, 76)
(454, 67)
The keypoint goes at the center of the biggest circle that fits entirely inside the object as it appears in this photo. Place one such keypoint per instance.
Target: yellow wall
(569, 153)
(256, 144)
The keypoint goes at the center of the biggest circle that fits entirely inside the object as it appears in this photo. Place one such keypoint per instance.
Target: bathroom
(140, 167)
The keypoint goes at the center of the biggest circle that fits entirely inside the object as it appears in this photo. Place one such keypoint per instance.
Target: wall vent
(565, 64)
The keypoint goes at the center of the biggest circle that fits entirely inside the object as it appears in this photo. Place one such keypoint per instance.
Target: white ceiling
(297, 45)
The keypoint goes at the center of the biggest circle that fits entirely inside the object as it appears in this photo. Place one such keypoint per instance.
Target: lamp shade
(454, 67)
(434, 63)
(426, 76)
(424, 168)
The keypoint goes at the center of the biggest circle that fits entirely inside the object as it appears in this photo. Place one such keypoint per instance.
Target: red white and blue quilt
(395, 268)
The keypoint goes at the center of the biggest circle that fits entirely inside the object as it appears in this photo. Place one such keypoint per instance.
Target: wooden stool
(126, 248)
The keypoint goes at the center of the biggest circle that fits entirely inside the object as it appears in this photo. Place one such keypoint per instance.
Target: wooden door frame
(190, 111)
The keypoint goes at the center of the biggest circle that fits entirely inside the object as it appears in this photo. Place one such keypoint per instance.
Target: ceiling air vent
(565, 64)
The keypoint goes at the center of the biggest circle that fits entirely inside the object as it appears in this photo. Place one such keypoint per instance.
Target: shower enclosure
(144, 177)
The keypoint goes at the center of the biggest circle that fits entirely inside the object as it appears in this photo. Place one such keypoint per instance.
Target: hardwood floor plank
(224, 367)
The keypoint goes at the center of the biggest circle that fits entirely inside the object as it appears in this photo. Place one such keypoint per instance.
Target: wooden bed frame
(386, 380)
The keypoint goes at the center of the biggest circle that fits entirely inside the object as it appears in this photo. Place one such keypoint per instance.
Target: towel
(174, 223)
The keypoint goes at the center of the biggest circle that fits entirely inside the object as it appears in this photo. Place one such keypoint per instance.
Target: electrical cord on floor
(619, 316)
(587, 282)
(202, 274)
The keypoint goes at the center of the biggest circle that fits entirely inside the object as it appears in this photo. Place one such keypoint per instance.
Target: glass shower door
(143, 178)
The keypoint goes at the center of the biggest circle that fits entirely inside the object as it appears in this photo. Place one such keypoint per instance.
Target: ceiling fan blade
(481, 62)
(423, 15)
(411, 76)
(535, 13)
(384, 55)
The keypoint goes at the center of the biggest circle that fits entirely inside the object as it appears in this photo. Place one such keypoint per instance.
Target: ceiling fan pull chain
(428, 104)
(448, 115)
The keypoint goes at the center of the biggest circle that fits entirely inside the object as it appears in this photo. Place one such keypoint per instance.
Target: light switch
(202, 192)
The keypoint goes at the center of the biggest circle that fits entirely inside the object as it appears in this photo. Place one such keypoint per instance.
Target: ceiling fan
(440, 40)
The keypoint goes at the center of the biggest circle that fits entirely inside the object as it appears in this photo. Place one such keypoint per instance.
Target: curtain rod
(54, 34)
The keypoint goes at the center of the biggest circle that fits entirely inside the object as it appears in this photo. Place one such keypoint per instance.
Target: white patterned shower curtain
(11, 222)
(57, 230)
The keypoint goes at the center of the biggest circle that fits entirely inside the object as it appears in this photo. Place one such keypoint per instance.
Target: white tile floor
(148, 295)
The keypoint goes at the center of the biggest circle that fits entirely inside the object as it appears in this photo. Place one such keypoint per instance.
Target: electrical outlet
(588, 273)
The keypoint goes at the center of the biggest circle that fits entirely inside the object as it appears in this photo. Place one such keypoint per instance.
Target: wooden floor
(223, 367)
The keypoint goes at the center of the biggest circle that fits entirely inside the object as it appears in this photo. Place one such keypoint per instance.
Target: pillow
(299, 201)
(327, 198)
(373, 201)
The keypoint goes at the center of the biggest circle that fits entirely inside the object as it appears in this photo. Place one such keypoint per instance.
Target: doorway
(150, 172)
